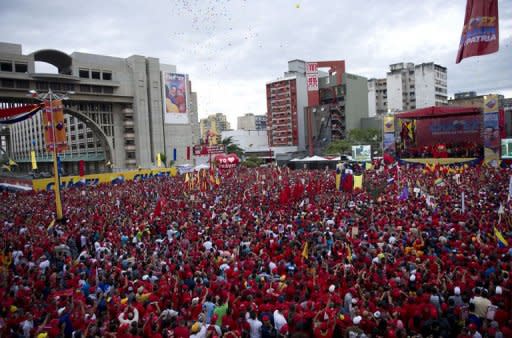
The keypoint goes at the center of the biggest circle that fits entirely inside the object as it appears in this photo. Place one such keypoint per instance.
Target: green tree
(372, 137)
(252, 162)
(163, 158)
(231, 147)
(338, 147)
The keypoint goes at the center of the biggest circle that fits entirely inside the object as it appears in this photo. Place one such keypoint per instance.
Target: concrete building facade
(377, 97)
(407, 87)
(114, 114)
(216, 123)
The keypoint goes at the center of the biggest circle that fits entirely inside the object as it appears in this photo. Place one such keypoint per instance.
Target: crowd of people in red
(266, 253)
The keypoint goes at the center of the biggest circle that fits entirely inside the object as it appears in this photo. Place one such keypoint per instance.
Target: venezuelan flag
(502, 242)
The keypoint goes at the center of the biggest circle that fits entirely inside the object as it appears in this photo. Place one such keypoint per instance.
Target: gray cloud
(231, 48)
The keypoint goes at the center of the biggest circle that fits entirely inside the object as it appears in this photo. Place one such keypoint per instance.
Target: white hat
(499, 290)
(412, 278)
(357, 320)
(332, 288)
(456, 290)
(354, 300)
(377, 314)
(61, 310)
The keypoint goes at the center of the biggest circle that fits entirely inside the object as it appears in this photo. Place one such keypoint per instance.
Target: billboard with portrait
(175, 94)
(362, 153)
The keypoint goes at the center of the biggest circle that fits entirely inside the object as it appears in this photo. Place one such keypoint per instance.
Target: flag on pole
(52, 223)
(305, 253)
(480, 33)
(12, 163)
(158, 160)
(349, 253)
(358, 182)
(368, 166)
(6, 167)
(338, 177)
(502, 242)
(33, 159)
(509, 189)
(463, 202)
(404, 195)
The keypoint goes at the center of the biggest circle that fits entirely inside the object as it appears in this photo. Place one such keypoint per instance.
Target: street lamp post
(50, 96)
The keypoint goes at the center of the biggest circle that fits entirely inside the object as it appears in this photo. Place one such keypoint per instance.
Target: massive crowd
(266, 253)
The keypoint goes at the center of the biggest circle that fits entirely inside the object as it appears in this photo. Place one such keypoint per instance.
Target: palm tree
(232, 147)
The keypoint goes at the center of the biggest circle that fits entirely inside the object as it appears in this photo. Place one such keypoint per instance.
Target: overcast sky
(231, 48)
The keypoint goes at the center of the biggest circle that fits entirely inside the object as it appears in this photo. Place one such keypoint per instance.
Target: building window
(95, 74)
(20, 67)
(130, 155)
(5, 66)
(83, 73)
(96, 89)
(85, 88)
(24, 84)
(107, 76)
(8, 83)
(108, 90)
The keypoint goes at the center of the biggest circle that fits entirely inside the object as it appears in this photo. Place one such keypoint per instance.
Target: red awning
(441, 111)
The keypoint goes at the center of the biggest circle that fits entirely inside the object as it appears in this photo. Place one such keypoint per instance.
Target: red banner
(81, 167)
(228, 161)
(480, 34)
(54, 125)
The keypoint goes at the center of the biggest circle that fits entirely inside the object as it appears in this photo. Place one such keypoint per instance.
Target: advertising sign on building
(175, 94)
(491, 129)
(312, 76)
(205, 149)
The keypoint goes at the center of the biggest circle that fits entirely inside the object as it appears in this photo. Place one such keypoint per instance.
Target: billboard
(491, 129)
(312, 76)
(389, 124)
(175, 94)
(362, 153)
(205, 149)
(452, 129)
(506, 148)
(54, 125)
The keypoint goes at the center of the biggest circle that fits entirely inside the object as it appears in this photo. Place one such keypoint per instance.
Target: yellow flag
(11, 162)
(217, 180)
(158, 160)
(305, 251)
(349, 253)
(368, 166)
(338, 181)
(187, 178)
(6, 167)
(51, 224)
(33, 158)
(358, 181)
(502, 242)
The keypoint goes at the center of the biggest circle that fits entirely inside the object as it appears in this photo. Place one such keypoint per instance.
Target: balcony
(129, 147)
(128, 123)
(129, 136)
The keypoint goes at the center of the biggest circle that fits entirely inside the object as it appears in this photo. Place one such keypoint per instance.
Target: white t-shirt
(279, 320)
(255, 324)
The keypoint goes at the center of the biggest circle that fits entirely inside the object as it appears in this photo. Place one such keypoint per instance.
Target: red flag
(81, 167)
(480, 34)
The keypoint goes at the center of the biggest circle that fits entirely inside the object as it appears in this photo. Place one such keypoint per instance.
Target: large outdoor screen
(506, 148)
(362, 153)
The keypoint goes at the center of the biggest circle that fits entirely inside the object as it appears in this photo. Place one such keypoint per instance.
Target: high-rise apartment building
(118, 111)
(216, 123)
(407, 87)
(260, 122)
(377, 97)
